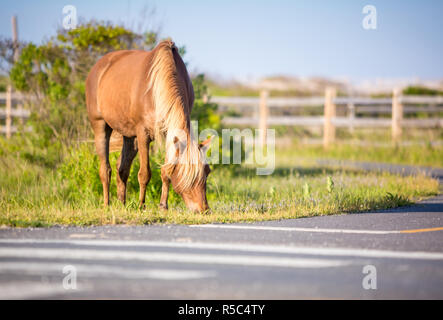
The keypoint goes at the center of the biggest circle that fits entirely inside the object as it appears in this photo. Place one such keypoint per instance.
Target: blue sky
(257, 38)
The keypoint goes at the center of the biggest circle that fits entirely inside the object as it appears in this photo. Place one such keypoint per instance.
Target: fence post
(8, 120)
(397, 116)
(15, 38)
(205, 98)
(351, 109)
(263, 116)
(329, 114)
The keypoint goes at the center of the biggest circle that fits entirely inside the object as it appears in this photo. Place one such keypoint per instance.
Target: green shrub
(417, 90)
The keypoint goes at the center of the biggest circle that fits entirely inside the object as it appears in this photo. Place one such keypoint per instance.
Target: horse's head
(189, 179)
(195, 196)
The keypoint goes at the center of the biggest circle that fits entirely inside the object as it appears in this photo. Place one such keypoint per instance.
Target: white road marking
(82, 236)
(245, 247)
(245, 260)
(102, 271)
(30, 290)
(292, 229)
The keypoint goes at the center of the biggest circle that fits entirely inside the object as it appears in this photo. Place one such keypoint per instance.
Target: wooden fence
(397, 107)
(13, 102)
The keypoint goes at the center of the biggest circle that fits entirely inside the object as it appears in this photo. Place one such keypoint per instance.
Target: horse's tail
(167, 90)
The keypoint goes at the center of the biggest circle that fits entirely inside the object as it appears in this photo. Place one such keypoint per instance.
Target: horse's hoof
(163, 206)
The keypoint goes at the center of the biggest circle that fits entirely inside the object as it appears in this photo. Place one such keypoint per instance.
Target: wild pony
(147, 95)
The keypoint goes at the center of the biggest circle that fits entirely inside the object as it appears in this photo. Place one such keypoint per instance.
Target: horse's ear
(173, 151)
(204, 146)
(177, 147)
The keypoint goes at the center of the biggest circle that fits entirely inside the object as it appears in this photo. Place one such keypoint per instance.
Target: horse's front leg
(165, 191)
(144, 174)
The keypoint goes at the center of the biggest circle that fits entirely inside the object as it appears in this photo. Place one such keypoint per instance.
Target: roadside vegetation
(37, 193)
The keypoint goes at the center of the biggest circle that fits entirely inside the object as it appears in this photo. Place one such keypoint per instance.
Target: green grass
(420, 155)
(418, 147)
(34, 193)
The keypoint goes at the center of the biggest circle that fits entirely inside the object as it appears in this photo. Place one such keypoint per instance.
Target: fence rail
(397, 106)
(319, 101)
(13, 102)
(337, 121)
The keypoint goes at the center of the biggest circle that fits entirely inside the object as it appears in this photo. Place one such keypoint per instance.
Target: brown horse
(147, 95)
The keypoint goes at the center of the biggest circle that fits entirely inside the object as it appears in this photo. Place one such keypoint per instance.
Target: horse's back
(115, 90)
(93, 78)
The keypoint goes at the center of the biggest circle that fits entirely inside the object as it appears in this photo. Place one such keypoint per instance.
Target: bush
(417, 90)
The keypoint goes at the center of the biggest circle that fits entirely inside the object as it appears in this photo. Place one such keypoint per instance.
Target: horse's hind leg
(102, 134)
(124, 162)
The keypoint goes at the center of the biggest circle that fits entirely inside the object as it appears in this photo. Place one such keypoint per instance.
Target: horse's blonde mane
(172, 115)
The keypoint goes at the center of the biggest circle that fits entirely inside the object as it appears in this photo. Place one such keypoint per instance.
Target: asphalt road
(400, 250)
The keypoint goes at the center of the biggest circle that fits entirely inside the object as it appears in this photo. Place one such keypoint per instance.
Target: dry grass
(31, 197)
